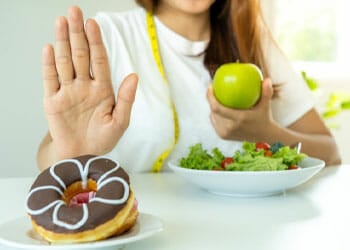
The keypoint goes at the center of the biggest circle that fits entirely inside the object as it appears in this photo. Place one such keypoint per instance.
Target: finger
(211, 97)
(50, 76)
(220, 109)
(125, 100)
(62, 51)
(98, 55)
(224, 127)
(78, 43)
(266, 94)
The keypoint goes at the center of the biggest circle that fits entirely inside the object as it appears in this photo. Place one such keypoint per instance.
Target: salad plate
(18, 233)
(250, 183)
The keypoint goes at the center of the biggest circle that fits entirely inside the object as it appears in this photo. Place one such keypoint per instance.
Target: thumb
(125, 100)
(266, 93)
(127, 89)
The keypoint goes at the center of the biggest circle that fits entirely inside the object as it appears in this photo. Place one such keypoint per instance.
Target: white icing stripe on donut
(102, 181)
(77, 225)
(58, 179)
(87, 166)
(47, 207)
(113, 201)
(107, 173)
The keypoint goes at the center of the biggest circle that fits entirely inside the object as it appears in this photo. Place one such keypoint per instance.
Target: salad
(258, 156)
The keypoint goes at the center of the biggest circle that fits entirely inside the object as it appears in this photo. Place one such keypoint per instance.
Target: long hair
(237, 28)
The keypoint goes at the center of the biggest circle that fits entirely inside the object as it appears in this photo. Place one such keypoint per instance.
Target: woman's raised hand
(83, 114)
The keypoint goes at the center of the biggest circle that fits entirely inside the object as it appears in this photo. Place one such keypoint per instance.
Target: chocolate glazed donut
(48, 201)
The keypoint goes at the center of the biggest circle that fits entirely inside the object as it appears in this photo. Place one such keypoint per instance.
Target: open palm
(80, 105)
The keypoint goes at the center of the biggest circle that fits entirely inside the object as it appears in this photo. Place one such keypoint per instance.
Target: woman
(174, 47)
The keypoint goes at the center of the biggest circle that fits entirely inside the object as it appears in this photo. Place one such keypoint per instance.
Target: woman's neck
(194, 27)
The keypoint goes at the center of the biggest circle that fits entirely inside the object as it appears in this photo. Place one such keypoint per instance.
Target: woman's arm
(84, 117)
(256, 124)
(46, 156)
(317, 141)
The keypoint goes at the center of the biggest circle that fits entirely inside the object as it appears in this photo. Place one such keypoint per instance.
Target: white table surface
(315, 215)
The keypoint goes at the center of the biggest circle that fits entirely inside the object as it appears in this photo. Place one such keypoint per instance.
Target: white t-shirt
(151, 129)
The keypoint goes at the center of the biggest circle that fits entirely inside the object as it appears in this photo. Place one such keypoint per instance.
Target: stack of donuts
(82, 199)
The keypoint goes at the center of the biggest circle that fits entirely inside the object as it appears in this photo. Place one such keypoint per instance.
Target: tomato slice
(226, 161)
(268, 153)
(293, 167)
(262, 146)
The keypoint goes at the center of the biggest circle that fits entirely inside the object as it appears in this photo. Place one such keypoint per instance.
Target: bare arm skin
(82, 112)
(257, 124)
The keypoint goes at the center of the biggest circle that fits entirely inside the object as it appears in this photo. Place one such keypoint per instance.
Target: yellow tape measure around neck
(152, 34)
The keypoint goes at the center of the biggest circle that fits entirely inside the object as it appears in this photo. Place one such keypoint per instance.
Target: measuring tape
(152, 34)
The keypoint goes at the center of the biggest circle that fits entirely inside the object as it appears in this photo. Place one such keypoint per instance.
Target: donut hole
(77, 195)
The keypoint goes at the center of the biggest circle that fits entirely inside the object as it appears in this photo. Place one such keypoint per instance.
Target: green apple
(237, 85)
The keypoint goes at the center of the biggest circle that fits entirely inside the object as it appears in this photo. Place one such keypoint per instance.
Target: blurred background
(313, 34)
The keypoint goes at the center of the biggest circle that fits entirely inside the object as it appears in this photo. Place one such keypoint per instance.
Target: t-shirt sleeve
(294, 98)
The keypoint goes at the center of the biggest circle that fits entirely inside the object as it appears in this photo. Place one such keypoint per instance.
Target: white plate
(250, 183)
(19, 233)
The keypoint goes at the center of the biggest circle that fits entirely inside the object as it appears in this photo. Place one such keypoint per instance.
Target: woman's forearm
(322, 146)
(46, 155)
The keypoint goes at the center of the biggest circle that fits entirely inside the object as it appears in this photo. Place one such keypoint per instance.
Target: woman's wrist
(282, 134)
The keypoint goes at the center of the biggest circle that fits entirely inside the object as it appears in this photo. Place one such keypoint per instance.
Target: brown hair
(236, 33)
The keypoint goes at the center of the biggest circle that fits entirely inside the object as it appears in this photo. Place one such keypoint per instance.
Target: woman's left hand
(251, 124)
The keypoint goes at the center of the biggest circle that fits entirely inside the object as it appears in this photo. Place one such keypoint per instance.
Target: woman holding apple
(137, 85)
